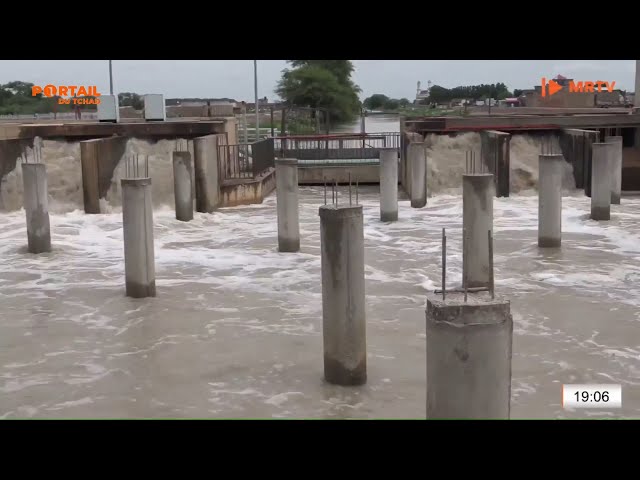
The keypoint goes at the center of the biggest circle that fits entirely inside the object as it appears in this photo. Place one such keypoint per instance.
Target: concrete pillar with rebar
(137, 220)
(389, 185)
(550, 200)
(36, 206)
(343, 294)
(469, 350)
(182, 186)
(417, 156)
(287, 204)
(477, 219)
(615, 167)
(469, 343)
(601, 181)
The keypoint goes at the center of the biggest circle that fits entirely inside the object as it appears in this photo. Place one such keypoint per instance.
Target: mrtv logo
(81, 95)
(554, 86)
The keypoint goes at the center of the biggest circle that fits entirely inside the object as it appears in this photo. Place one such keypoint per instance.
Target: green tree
(404, 102)
(129, 99)
(376, 101)
(321, 84)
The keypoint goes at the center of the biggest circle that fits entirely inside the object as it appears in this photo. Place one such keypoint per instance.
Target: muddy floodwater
(236, 328)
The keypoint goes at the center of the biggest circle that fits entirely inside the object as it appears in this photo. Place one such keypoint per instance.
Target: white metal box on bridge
(154, 108)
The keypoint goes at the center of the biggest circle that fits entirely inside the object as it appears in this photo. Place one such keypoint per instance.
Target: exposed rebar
(325, 190)
(464, 262)
(491, 285)
(356, 191)
(444, 264)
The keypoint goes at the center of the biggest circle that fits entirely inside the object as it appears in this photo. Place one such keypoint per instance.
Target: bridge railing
(245, 161)
(336, 146)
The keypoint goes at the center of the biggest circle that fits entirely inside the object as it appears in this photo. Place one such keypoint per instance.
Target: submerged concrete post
(550, 200)
(418, 158)
(478, 191)
(343, 294)
(601, 181)
(36, 206)
(388, 185)
(469, 350)
(615, 167)
(137, 219)
(287, 204)
(182, 186)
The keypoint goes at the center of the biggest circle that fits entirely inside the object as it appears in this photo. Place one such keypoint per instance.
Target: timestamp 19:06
(592, 396)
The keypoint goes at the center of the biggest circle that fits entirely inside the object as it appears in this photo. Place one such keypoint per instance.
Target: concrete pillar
(206, 172)
(469, 349)
(616, 168)
(137, 219)
(389, 185)
(99, 159)
(636, 98)
(550, 200)
(343, 294)
(496, 153)
(182, 186)
(287, 204)
(601, 181)
(36, 206)
(478, 191)
(417, 157)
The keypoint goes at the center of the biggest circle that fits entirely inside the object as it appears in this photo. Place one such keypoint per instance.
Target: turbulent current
(445, 157)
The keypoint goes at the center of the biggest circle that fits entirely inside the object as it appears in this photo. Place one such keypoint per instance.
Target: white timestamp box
(601, 396)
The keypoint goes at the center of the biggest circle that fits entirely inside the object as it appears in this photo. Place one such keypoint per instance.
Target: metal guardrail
(245, 161)
(336, 146)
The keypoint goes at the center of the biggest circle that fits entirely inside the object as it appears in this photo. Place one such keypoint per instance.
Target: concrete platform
(178, 128)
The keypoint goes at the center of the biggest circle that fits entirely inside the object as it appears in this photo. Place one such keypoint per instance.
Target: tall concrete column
(550, 200)
(343, 294)
(616, 168)
(137, 219)
(205, 160)
(36, 206)
(99, 159)
(636, 98)
(287, 204)
(601, 181)
(418, 159)
(469, 350)
(182, 186)
(478, 191)
(389, 185)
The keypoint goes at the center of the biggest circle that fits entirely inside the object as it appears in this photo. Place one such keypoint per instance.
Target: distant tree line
(378, 101)
(438, 94)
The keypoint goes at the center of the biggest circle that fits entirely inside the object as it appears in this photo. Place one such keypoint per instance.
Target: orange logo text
(577, 87)
(74, 91)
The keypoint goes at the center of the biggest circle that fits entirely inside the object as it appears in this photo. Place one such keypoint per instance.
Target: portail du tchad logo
(69, 90)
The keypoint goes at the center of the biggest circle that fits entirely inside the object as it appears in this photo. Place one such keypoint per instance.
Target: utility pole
(255, 86)
(110, 79)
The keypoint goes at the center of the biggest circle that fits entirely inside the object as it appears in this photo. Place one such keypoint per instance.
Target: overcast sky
(234, 78)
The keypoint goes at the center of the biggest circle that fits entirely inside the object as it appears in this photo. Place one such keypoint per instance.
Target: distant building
(421, 95)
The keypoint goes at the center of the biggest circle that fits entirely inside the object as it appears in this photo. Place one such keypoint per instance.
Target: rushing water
(236, 328)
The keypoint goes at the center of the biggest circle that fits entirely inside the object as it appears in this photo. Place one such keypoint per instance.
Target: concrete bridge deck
(178, 128)
(510, 123)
